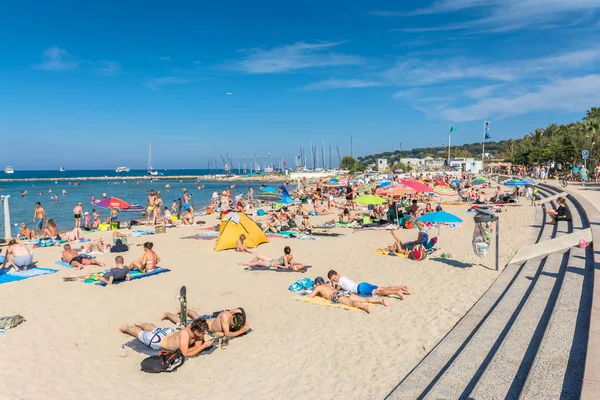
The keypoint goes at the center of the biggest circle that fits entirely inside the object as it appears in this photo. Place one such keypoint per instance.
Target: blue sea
(132, 191)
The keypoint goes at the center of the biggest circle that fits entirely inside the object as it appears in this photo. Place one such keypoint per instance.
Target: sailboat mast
(149, 155)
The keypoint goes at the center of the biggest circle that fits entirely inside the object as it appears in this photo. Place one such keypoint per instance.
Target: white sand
(70, 346)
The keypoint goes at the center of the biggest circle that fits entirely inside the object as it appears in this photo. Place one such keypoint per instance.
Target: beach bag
(11, 322)
(45, 242)
(418, 253)
(165, 361)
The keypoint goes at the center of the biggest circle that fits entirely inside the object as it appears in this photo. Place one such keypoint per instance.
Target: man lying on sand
(287, 261)
(344, 296)
(73, 258)
(117, 274)
(365, 288)
(226, 324)
(189, 340)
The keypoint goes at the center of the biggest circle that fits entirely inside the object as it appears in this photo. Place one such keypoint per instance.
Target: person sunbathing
(18, 256)
(240, 247)
(72, 257)
(117, 274)
(189, 340)
(285, 262)
(227, 323)
(75, 234)
(95, 245)
(344, 297)
(149, 260)
(25, 233)
(404, 248)
(51, 230)
(365, 288)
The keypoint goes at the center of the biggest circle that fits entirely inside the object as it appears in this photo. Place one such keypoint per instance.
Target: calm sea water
(21, 208)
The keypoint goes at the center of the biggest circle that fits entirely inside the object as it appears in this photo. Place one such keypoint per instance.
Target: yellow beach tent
(232, 226)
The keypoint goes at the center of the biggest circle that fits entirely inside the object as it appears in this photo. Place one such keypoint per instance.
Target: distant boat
(62, 168)
(122, 169)
(9, 170)
(150, 170)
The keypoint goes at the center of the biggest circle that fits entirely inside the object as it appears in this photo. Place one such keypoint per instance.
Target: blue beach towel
(132, 275)
(142, 232)
(63, 264)
(19, 276)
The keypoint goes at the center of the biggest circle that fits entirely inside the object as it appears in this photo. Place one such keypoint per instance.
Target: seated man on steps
(344, 297)
(365, 288)
(189, 340)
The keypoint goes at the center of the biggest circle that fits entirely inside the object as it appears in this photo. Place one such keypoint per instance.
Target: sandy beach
(70, 345)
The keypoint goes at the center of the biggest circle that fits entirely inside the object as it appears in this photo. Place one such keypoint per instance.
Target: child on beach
(240, 247)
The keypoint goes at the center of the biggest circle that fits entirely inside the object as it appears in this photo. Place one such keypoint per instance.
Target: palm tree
(552, 130)
(592, 113)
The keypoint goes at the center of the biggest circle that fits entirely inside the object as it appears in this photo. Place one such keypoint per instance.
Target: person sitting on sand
(365, 288)
(404, 248)
(562, 213)
(306, 225)
(344, 297)
(118, 247)
(149, 260)
(285, 262)
(117, 274)
(273, 223)
(189, 340)
(428, 208)
(188, 217)
(321, 210)
(25, 233)
(240, 247)
(18, 256)
(227, 323)
(51, 230)
(72, 257)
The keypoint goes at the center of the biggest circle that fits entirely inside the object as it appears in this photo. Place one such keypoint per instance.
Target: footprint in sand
(225, 293)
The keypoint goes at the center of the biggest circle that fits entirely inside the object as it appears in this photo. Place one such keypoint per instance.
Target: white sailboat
(62, 168)
(150, 170)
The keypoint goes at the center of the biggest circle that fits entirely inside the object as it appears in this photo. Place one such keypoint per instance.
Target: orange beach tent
(232, 226)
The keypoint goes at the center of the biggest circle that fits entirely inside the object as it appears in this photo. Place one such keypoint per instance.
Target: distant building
(382, 164)
(467, 165)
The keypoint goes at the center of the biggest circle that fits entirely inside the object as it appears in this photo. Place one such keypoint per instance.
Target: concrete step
(560, 243)
(424, 374)
(506, 372)
(456, 378)
(553, 197)
(557, 371)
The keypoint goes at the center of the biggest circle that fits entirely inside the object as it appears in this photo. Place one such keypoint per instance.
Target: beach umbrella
(365, 188)
(370, 199)
(269, 190)
(444, 191)
(393, 190)
(418, 186)
(514, 183)
(270, 197)
(455, 181)
(480, 180)
(529, 181)
(384, 184)
(440, 217)
(114, 202)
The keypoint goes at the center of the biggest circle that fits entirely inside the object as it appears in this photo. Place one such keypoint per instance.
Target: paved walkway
(591, 193)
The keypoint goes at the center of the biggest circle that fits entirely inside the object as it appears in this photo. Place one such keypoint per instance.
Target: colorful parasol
(444, 191)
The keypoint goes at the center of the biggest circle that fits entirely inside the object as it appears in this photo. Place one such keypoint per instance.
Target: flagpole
(449, 136)
(483, 145)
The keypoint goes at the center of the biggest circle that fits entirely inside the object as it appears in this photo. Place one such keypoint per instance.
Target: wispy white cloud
(341, 84)
(56, 59)
(109, 68)
(504, 15)
(292, 57)
(573, 94)
(157, 83)
(481, 92)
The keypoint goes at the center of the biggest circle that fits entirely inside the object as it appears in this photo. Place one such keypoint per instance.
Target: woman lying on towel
(399, 247)
(285, 262)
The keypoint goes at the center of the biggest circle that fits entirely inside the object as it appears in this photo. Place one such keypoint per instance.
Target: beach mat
(133, 275)
(143, 232)
(384, 252)
(19, 276)
(63, 264)
(326, 234)
(324, 302)
(275, 269)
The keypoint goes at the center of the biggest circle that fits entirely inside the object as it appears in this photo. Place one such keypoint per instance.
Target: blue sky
(87, 84)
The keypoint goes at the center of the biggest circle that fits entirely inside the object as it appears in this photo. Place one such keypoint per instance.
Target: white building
(467, 165)
(382, 164)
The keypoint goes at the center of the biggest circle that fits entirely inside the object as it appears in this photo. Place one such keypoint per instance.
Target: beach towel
(143, 232)
(257, 268)
(384, 252)
(12, 276)
(326, 234)
(132, 275)
(63, 264)
(323, 302)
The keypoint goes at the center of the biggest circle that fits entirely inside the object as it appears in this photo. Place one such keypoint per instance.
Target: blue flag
(487, 136)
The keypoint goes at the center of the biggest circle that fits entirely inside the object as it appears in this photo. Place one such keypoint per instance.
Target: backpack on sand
(11, 322)
(165, 361)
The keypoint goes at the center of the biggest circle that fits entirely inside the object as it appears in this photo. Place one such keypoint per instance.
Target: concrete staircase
(527, 335)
